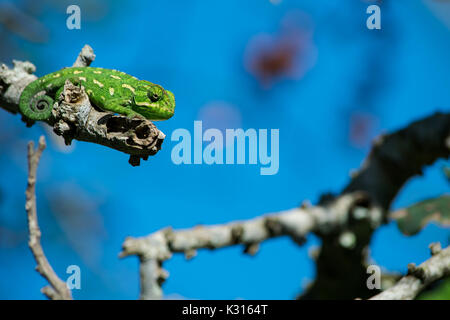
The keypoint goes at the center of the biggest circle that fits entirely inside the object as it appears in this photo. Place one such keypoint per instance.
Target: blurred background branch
(345, 223)
(394, 158)
(296, 223)
(58, 289)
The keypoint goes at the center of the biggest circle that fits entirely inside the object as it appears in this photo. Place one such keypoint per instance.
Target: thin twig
(58, 289)
(419, 277)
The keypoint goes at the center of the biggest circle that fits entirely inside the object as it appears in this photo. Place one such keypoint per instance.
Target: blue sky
(197, 50)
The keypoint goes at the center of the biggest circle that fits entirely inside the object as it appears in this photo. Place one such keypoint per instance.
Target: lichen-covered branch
(419, 277)
(151, 276)
(58, 289)
(75, 118)
(85, 58)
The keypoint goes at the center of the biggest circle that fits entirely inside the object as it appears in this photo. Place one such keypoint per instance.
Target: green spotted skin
(109, 90)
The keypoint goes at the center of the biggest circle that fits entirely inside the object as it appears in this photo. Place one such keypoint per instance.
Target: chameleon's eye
(155, 93)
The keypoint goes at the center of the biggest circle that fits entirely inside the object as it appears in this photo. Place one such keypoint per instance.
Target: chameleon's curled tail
(35, 106)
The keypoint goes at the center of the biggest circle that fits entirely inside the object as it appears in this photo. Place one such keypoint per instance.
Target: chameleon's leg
(117, 106)
(58, 93)
(131, 114)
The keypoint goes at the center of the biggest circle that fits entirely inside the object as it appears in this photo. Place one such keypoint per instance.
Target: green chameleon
(109, 90)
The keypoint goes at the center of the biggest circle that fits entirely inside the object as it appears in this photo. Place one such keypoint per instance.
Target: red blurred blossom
(288, 54)
(362, 129)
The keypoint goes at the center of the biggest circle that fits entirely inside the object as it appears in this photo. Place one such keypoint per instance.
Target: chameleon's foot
(132, 115)
(39, 108)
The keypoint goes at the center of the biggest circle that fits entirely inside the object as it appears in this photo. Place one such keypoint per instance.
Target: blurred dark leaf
(411, 220)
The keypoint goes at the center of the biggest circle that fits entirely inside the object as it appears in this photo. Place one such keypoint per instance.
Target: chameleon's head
(153, 102)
